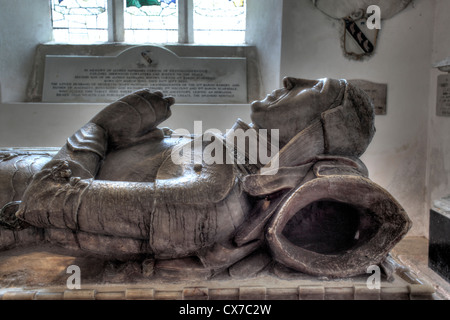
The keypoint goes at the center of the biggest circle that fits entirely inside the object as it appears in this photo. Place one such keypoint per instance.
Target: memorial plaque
(443, 65)
(443, 96)
(376, 91)
(105, 79)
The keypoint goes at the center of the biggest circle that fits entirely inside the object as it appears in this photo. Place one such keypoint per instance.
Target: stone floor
(413, 253)
(41, 273)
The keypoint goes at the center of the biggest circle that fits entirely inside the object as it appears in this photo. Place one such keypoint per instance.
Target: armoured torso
(194, 206)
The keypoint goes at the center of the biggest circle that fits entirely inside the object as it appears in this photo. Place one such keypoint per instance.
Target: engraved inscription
(188, 80)
(109, 83)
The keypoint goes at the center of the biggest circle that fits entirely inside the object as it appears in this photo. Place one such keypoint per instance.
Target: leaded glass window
(219, 21)
(151, 23)
(79, 21)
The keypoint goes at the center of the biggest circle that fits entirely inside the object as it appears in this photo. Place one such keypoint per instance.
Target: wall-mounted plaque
(443, 96)
(376, 91)
(105, 79)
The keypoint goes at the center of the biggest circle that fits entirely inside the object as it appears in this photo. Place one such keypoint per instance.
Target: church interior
(409, 156)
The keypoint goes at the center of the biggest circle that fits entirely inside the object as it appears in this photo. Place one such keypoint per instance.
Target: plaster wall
(23, 25)
(396, 158)
(264, 32)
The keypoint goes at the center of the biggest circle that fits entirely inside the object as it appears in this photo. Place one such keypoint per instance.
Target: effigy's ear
(336, 226)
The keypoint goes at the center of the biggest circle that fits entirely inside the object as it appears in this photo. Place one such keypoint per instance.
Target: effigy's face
(295, 106)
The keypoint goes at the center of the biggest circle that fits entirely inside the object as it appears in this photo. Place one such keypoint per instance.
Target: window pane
(157, 23)
(79, 21)
(219, 21)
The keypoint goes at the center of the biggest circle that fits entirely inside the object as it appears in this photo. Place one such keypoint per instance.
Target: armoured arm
(53, 198)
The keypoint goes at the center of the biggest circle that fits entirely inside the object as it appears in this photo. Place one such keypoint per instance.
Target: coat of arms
(360, 28)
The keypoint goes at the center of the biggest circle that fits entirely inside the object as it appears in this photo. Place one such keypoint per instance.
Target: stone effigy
(122, 188)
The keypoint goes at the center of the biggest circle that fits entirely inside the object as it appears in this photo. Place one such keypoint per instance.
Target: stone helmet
(349, 128)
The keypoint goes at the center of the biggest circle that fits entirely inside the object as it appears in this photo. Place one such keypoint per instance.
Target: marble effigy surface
(286, 192)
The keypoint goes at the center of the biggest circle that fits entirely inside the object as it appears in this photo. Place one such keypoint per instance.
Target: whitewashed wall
(265, 34)
(23, 25)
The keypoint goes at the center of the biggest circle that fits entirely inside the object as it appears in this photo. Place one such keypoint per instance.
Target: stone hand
(133, 118)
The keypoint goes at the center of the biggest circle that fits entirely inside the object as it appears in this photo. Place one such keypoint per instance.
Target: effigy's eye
(318, 86)
(288, 83)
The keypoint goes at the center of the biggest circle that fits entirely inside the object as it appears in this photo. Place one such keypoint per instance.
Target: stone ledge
(302, 292)
(40, 273)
